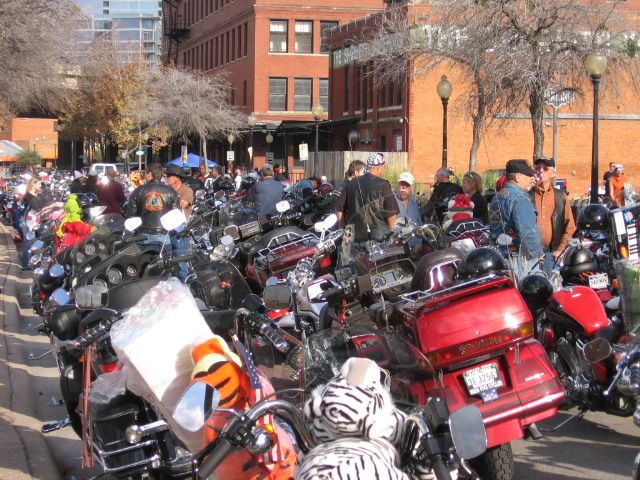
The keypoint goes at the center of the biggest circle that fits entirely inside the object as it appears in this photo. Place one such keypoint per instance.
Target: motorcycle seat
(445, 261)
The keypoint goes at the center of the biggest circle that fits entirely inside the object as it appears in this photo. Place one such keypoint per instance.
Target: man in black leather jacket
(150, 201)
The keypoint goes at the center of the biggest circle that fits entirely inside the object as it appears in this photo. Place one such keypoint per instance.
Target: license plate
(480, 379)
(599, 280)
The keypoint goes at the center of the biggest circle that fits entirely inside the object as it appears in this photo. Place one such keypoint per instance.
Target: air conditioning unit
(366, 137)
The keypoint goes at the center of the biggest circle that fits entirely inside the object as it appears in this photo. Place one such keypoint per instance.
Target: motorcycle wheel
(495, 464)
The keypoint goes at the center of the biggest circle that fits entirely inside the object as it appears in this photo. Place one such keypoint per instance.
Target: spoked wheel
(495, 464)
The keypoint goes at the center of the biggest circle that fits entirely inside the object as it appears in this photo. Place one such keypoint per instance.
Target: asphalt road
(597, 447)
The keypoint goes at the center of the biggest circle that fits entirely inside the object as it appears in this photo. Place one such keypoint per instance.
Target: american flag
(260, 388)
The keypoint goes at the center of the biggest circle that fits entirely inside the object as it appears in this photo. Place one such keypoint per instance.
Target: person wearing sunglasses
(512, 217)
(555, 219)
(472, 186)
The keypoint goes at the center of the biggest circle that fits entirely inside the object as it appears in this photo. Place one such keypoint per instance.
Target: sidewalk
(25, 453)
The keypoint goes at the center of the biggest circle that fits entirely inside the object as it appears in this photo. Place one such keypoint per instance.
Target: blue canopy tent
(193, 161)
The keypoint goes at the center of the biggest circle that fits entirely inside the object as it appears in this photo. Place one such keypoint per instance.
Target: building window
(278, 94)
(304, 37)
(278, 36)
(324, 26)
(302, 95)
(324, 93)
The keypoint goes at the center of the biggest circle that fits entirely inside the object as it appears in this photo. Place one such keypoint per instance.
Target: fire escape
(175, 30)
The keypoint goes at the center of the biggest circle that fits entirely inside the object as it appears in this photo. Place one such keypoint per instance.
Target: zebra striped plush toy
(354, 419)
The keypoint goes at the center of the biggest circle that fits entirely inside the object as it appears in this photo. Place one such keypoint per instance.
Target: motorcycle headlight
(102, 246)
(114, 275)
(35, 258)
(90, 249)
(101, 282)
(79, 257)
(132, 271)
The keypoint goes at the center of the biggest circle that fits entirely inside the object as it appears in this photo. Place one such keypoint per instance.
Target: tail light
(489, 342)
(325, 262)
(107, 367)
(624, 251)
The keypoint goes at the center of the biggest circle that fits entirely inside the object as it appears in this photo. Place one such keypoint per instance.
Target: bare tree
(189, 103)
(38, 52)
(507, 53)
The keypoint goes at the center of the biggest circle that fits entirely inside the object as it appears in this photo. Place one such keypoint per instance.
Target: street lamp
(252, 120)
(269, 140)
(596, 64)
(444, 92)
(230, 155)
(317, 111)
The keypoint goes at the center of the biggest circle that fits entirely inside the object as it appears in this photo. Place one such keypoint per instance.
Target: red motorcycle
(470, 321)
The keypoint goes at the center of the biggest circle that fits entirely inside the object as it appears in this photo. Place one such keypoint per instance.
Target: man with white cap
(616, 186)
(407, 205)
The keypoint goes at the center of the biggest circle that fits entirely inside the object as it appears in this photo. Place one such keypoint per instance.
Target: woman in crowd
(472, 186)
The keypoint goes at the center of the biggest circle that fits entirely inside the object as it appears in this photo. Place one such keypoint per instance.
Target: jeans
(550, 263)
(24, 256)
(179, 248)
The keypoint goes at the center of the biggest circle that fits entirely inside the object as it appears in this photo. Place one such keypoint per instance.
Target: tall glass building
(136, 25)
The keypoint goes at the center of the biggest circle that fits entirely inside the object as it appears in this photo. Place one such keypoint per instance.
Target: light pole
(269, 140)
(252, 120)
(317, 111)
(444, 92)
(55, 156)
(596, 64)
(230, 156)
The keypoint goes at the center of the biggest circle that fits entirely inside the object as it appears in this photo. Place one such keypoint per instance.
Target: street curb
(25, 453)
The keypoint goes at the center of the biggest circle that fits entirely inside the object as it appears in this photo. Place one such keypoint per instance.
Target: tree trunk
(203, 149)
(536, 108)
(478, 123)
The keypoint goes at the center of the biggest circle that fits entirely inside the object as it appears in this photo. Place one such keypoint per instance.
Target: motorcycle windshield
(412, 379)
(371, 222)
(628, 274)
(238, 211)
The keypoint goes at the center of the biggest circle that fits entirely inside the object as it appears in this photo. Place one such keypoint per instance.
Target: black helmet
(579, 263)
(536, 291)
(480, 262)
(87, 200)
(226, 185)
(594, 217)
(248, 182)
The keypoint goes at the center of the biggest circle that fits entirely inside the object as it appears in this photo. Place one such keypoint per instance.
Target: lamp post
(596, 64)
(444, 92)
(269, 140)
(252, 120)
(317, 111)
(230, 155)
(55, 156)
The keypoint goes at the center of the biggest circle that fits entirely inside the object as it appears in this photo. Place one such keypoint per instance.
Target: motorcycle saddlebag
(64, 322)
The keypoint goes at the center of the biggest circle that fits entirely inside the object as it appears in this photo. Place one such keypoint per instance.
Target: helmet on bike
(226, 186)
(536, 291)
(593, 217)
(248, 182)
(480, 262)
(578, 265)
(325, 188)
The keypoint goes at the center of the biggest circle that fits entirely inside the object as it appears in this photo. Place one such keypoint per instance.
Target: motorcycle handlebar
(274, 337)
(91, 335)
(130, 240)
(327, 294)
(222, 449)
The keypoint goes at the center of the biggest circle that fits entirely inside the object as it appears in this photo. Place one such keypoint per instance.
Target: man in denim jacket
(511, 212)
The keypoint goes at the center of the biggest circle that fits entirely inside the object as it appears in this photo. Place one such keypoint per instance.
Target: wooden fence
(333, 164)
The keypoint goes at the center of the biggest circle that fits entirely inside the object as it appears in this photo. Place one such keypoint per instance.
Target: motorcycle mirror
(200, 194)
(196, 405)
(504, 239)
(56, 270)
(30, 235)
(173, 219)
(96, 211)
(276, 297)
(37, 245)
(91, 297)
(131, 189)
(327, 223)
(283, 206)
(226, 240)
(468, 432)
(271, 281)
(60, 297)
(232, 231)
(597, 350)
(130, 224)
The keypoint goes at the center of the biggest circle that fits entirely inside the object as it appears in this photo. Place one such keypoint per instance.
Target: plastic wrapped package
(108, 386)
(628, 273)
(153, 342)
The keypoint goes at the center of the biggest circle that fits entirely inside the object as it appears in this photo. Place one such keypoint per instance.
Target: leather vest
(558, 223)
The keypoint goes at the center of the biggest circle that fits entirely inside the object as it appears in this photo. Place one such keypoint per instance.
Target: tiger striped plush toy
(357, 425)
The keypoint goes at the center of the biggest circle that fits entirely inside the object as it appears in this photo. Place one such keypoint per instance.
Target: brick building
(37, 134)
(408, 117)
(276, 59)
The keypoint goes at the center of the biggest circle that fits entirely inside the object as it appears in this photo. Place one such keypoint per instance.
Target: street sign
(231, 156)
(558, 96)
(304, 151)
(270, 157)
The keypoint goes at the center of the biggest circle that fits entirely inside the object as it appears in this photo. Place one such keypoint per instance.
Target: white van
(101, 168)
